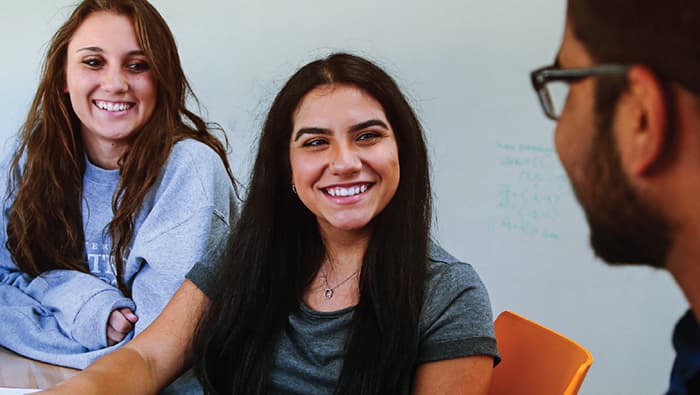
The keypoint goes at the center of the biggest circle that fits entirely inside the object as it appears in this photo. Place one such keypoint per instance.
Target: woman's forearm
(152, 359)
(124, 371)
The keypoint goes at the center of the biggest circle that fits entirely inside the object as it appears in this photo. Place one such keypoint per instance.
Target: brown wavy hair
(44, 228)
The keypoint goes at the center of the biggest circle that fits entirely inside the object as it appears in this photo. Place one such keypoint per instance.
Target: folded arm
(152, 359)
(59, 317)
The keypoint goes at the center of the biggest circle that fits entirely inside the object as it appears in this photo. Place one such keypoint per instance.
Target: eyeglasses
(551, 83)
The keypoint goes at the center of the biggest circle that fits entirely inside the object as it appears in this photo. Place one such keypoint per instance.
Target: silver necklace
(328, 290)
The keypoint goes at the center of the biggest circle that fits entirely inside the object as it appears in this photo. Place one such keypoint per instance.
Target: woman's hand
(120, 323)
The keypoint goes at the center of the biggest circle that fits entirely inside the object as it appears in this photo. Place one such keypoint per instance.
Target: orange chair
(536, 360)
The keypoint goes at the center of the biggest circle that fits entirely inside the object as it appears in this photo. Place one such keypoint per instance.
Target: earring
(294, 189)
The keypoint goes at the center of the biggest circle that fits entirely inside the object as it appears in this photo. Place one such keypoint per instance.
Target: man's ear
(643, 115)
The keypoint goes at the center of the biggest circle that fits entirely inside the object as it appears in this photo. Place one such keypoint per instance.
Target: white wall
(502, 201)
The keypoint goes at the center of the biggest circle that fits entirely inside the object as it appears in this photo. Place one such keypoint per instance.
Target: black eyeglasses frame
(540, 77)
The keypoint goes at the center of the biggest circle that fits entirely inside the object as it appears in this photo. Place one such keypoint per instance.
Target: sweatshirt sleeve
(43, 320)
(32, 330)
(80, 302)
(189, 222)
(68, 297)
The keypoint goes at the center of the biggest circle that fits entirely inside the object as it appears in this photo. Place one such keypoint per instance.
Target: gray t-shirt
(456, 321)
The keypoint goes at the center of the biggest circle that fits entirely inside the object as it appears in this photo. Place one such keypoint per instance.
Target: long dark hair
(45, 229)
(277, 249)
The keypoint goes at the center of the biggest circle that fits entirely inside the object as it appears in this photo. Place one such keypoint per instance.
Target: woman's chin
(347, 225)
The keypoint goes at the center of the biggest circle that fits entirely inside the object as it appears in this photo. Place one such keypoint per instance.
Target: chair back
(536, 359)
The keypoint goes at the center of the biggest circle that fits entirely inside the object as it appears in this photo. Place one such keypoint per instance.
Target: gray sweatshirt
(61, 316)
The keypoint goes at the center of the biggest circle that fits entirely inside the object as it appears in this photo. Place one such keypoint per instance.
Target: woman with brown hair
(114, 191)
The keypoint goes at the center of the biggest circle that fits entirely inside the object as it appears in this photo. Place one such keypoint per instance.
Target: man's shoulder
(685, 376)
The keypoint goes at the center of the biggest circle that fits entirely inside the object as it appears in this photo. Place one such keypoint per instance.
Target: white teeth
(339, 191)
(113, 106)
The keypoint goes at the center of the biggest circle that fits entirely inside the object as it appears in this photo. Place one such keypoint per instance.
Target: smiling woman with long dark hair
(332, 284)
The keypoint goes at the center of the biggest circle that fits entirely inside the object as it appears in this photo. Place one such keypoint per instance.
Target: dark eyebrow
(136, 52)
(367, 124)
(354, 128)
(304, 131)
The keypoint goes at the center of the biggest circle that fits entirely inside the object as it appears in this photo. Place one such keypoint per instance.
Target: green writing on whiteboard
(530, 187)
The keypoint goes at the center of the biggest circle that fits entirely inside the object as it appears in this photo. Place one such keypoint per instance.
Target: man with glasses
(624, 90)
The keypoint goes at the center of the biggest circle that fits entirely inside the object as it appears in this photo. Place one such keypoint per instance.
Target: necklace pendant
(328, 293)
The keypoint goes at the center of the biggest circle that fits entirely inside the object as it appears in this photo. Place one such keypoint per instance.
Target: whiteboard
(502, 201)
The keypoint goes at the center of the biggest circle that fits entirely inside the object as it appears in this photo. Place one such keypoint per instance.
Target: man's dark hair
(665, 36)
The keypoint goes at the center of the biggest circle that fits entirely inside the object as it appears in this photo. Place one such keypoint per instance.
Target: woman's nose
(114, 80)
(345, 161)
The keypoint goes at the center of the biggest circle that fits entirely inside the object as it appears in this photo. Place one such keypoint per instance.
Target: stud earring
(294, 189)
